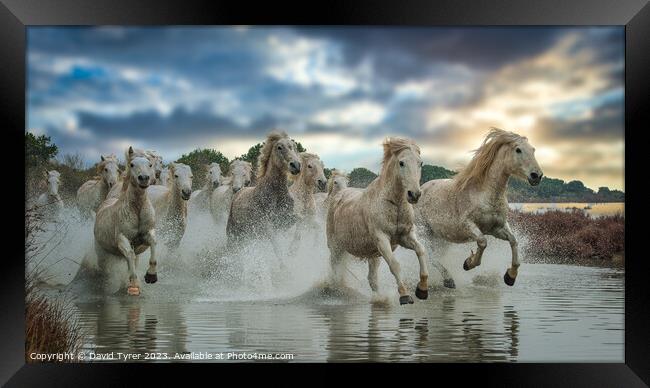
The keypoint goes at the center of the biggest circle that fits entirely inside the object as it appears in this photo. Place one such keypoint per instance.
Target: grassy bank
(571, 237)
(50, 327)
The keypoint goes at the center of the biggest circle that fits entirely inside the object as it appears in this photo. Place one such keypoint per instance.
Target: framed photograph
(449, 184)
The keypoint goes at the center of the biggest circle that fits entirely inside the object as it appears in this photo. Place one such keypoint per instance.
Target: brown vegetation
(570, 236)
(50, 327)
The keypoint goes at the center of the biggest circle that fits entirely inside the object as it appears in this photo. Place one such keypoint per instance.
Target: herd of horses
(148, 203)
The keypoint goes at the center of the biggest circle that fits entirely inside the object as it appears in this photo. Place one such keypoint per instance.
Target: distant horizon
(337, 90)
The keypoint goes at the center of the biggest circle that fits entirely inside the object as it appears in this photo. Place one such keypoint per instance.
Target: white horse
(240, 175)
(302, 190)
(157, 162)
(200, 199)
(124, 225)
(49, 203)
(170, 203)
(473, 204)
(93, 192)
(372, 222)
(164, 176)
(266, 210)
(336, 182)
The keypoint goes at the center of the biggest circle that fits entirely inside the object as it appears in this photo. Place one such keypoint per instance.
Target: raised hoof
(508, 280)
(150, 278)
(421, 294)
(465, 265)
(449, 283)
(133, 291)
(406, 299)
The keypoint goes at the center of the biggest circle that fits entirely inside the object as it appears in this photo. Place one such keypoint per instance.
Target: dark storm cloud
(607, 123)
(409, 52)
(152, 124)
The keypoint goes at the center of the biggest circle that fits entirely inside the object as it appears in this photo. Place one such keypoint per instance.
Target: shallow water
(554, 313)
(244, 304)
(593, 209)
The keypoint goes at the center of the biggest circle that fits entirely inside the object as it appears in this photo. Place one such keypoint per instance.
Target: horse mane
(484, 156)
(330, 182)
(395, 145)
(266, 152)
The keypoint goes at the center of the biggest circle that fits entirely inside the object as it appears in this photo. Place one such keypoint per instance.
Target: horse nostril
(143, 177)
(534, 176)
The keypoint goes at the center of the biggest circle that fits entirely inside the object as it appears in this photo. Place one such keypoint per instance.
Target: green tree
(430, 172)
(199, 159)
(38, 150)
(361, 177)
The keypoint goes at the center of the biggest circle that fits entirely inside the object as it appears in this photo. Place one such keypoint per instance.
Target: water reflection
(132, 325)
(578, 319)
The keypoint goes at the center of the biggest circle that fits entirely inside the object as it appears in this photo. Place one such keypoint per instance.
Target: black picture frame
(16, 15)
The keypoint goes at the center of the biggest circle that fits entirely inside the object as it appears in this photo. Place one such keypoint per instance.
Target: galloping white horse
(164, 176)
(93, 192)
(240, 173)
(266, 209)
(337, 182)
(157, 162)
(124, 225)
(50, 203)
(200, 199)
(372, 222)
(302, 191)
(170, 204)
(473, 204)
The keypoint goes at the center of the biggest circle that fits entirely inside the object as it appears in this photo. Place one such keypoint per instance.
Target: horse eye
(518, 150)
(151, 165)
(132, 165)
(279, 147)
(175, 176)
(401, 163)
(309, 166)
(106, 169)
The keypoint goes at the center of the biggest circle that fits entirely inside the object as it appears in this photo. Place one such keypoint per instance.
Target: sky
(338, 90)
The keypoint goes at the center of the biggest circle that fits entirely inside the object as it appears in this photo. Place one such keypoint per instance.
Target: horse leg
(373, 266)
(151, 276)
(447, 280)
(506, 234)
(385, 249)
(336, 264)
(410, 241)
(125, 249)
(284, 270)
(474, 260)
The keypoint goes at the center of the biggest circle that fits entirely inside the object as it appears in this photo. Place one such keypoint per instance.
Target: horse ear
(102, 156)
(130, 150)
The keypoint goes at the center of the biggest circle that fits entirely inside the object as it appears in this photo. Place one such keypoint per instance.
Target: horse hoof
(133, 291)
(449, 283)
(406, 299)
(421, 294)
(465, 265)
(150, 278)
(508, 280)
